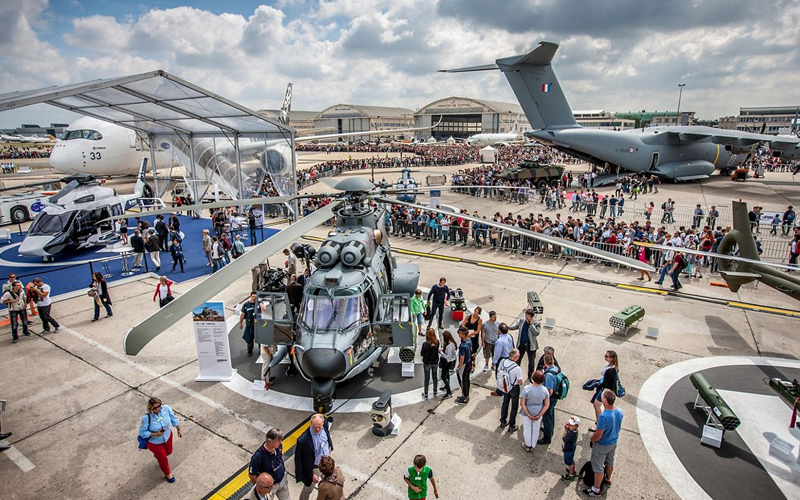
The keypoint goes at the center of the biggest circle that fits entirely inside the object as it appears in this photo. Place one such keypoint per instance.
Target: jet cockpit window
(50, 224)
(92, 135)
(338, 313)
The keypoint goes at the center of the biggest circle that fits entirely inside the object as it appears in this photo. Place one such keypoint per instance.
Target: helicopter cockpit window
(48, 224)
(337, 313)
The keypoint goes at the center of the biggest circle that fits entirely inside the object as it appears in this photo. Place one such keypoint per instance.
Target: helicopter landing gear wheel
(48, 258)
(322, 392)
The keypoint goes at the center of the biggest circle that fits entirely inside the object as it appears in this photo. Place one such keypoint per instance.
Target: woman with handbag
(163, 291)
(447, 360)
(609, 380)
(98, 290)
(154, 430)
(430, 358)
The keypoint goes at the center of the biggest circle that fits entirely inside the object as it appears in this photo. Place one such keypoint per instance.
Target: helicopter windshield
(50, 224)
(337, 313)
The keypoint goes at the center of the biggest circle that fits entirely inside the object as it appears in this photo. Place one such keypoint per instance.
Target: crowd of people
(9, 152)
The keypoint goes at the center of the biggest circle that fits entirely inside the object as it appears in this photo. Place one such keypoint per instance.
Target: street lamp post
(680, 93)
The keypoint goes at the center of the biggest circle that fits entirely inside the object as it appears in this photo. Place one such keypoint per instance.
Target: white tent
(488, 155)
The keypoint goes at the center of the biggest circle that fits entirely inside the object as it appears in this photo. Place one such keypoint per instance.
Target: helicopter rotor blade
(219, 204)
(578, 247)
(138, 336)
(718, 256)
(29, 185)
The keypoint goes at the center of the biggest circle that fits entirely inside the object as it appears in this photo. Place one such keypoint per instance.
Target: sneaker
(58, 329)
(485, 368)
(447, 395)
(590, 492)
(424, 395)
(513, 428)
(607, 481)
(462, 401)
(435, 394)
(14, 341)
(569, 477)
(45, 331)
(442, 388)
(542, 441)
(503, 424)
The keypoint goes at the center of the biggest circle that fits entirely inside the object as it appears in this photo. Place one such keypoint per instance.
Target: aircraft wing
(732, 137)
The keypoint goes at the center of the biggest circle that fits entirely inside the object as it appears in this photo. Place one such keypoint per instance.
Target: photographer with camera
(40, 291)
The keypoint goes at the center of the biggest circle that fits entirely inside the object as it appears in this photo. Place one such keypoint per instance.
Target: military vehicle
(540, 174)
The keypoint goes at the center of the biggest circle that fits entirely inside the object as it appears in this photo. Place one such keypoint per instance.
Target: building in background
(773, 120)
(462, 117)
(602, 119)
(646, 118)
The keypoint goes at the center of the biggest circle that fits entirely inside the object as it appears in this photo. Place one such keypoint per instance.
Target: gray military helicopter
(356, 301)
(680, 153)
(406, 185)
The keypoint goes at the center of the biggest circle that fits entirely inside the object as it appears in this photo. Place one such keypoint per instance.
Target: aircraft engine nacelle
(328, 254)
(277, 159)
(353, 253)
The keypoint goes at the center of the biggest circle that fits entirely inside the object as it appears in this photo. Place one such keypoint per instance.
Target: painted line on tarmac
(642, 289)
(755, 307)
(238, 484)
(18, 458)
(261, 426)
(526, 271)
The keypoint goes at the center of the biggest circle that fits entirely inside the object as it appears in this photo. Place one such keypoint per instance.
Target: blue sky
(617, 55)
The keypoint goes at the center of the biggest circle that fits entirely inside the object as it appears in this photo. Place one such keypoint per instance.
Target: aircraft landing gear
(322, 392)
(48, 258)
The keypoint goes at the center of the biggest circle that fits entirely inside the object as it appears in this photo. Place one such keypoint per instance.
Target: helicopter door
(393, 326)
(274, 319)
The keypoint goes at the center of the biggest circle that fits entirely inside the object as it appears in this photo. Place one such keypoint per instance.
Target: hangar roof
(494, 106)
(154, 102)
(366, 111)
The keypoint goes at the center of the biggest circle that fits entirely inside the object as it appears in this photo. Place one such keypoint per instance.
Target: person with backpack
(679, 263)
(238, 247)
(554, 383)
(154, 430)
(788, 220)
(509, 376)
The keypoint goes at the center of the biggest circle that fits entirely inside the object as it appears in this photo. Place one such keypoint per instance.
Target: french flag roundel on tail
(546, 87)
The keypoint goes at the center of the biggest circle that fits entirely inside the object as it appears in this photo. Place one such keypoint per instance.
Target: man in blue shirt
(464, 365)
(604, 443)
(312, 445)
(269, 458)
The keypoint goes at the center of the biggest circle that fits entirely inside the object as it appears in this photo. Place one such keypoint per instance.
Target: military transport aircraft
(673, 152)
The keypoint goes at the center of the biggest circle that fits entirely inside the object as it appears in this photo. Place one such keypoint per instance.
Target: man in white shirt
(509, 376)
(45, 302)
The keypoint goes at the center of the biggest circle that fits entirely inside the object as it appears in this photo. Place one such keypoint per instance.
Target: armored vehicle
(540, 174)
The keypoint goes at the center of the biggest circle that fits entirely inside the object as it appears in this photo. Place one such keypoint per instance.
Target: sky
(617, 55)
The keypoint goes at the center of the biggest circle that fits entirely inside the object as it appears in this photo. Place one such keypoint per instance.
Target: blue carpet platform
(74, 271)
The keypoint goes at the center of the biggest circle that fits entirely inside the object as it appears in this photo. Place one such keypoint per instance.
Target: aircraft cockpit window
(49, 224)
(338, 313)
(92, 135)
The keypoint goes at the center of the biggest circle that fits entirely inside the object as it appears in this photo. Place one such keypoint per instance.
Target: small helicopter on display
(407, 186)
(356, 301)
(76, 217)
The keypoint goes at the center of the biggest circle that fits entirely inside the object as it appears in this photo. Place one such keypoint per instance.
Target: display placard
(211, 337)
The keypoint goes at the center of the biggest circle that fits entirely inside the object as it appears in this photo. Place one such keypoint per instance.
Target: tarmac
(74, 411)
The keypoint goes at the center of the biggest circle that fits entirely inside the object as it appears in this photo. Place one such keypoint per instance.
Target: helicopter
(356, 301)
(76, 216)
(407, 186)
(739, 261)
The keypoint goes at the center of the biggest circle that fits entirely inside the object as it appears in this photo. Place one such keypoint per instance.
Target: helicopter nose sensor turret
(322, 363)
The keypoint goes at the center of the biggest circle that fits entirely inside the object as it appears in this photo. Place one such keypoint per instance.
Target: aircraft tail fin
(537, 89)
(286, 108)
(141, 186)
(742, 232)
(514, 127)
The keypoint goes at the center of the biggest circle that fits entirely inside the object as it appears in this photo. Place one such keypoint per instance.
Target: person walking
(162, 231)
(417, 476)
(312, 445)
(44, 304)
(604, 443)
(509, 378)
(207, 245)
(251, 227)
(429, 352)
(163, 292)
(137, 243)
(268, 459)
(527, 343)
(464, 365)
(440, 294)
(609, 378)
(417, 307)
(155, 428)
(534, 402)
(17, 304)
(153, 247)
(331, 485)
(447, 360)
(262, 489)
(100, 295)
(176, 250)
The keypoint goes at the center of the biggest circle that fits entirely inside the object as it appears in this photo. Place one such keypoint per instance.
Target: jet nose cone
(33, 246)
(61, 159)
(320, 362)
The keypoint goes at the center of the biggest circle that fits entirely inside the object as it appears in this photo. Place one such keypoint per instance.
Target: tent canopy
(153, 103)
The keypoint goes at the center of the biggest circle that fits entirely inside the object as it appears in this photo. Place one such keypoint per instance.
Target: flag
(545, 87)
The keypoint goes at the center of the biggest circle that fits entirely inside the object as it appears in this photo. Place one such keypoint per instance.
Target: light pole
(680, 93)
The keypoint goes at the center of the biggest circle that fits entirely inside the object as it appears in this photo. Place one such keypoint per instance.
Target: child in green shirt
(416, 477)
